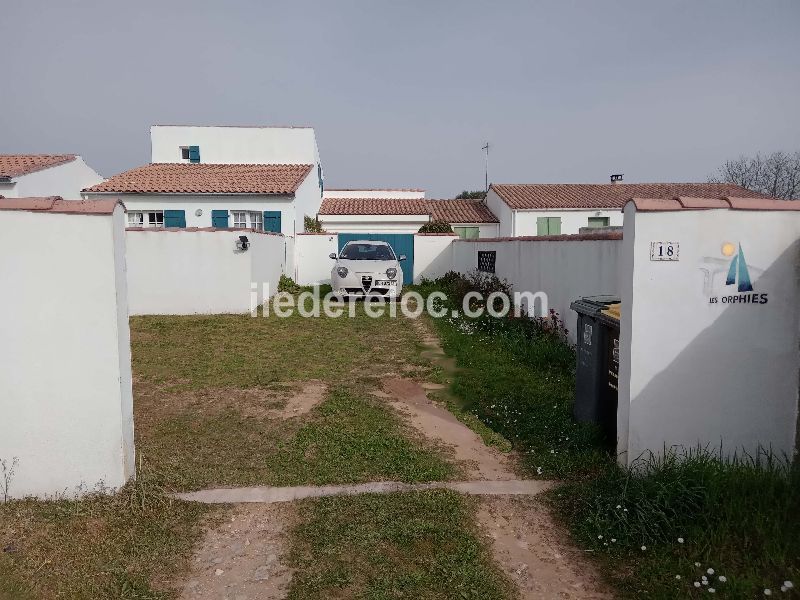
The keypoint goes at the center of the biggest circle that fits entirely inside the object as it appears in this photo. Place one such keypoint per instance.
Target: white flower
(625, 509)
(711, 590)
(696, 564)
(784, 589)
(704, 578)
(613, 539)
(723, 579)
(705, 581)
(767, 592)
(644, 548)
(710, 571)
(696, 584)
(538, 470)
(599, 537)
(618, 507)
(677, 576)
(788, 585)
(680, 540)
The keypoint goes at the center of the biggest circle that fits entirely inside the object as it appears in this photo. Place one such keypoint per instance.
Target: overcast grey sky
(404, 94)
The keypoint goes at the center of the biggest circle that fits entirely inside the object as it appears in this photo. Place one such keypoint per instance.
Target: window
(598, 221)
(190, 153)
(486, 260)
(144, 218)
(243, 219)
(367, 251)
(467, 233)
(548, 226)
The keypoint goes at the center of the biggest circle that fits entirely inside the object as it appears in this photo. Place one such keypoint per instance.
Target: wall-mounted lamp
(198, 212)
(243, 243)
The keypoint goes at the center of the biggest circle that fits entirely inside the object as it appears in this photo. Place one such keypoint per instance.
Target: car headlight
(341, 271)
(391, 273)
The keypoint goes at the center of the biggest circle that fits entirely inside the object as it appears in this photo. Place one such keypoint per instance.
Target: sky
(405, 93)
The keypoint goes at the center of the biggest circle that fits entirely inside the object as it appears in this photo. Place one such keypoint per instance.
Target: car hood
(367, 266)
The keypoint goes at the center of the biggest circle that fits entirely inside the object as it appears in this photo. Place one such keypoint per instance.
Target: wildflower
(710, 571)
(644, 548)
(767, 592)
(680, 540)
(784, 589)
(618, 507)
(788, 585)
(599, 537)
(723, 579)
(613, 540)
(696, 564)
(711, 590)
(677, 576)
(625, 509)
(538, 470)
(696, 584)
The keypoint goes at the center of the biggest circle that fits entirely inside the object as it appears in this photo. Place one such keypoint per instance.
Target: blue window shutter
(174, 218)
(194, 154)
(272, 221)
(219, 219)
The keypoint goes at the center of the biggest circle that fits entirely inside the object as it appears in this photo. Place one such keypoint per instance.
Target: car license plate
(385, 283)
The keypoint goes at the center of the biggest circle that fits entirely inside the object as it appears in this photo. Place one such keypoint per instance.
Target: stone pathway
(274, 495)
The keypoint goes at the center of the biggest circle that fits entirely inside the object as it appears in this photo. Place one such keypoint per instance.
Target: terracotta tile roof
(56, 204)
(557, 196)
(14, 165)
(452, 211)
(183, 178)
(374, 206)
(327, 189)
(461, 211)
(684, 203)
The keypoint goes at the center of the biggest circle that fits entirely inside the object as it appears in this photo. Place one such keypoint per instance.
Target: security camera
(243, 243)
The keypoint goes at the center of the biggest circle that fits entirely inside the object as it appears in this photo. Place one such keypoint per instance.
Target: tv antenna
(486, 171)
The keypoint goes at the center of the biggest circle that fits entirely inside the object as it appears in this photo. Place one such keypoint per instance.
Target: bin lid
(611, 315)
(593, 305)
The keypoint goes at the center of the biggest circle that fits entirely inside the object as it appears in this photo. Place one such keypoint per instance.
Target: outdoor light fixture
(243, 244)
(198, 212)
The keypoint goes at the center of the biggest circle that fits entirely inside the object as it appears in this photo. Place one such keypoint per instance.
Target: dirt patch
(243, 559)
(439, 425)
(312, 394)
(531, 549)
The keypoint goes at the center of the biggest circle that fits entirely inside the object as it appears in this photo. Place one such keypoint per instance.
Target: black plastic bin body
(592, 352)
(609, 393)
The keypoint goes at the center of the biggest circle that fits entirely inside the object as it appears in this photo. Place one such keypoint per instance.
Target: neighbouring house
(260, 178)
(43, 175)
(470, 219)
(565, 208)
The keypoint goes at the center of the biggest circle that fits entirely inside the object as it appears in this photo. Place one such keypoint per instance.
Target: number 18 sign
(664, 250)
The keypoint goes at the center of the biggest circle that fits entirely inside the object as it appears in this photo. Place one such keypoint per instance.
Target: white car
(367, 268)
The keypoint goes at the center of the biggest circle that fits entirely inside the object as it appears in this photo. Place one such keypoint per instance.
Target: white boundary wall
(565, 268)
(693, 371)
(313, 265)
(433, 255)
(183, 272)
(66, 408)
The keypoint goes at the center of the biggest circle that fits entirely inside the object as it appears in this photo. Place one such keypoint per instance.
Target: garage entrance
(401, 243)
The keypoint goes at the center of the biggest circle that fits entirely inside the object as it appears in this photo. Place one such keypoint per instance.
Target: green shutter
(194, 154)
(219, 219)
(272, 221)
(174, 218)
(541, 226)
(554, 225)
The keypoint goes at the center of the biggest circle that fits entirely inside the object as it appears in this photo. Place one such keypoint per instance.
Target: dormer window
(190, 153)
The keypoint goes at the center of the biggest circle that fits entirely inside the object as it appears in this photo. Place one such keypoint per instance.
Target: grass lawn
(410, 545)
(206, 389)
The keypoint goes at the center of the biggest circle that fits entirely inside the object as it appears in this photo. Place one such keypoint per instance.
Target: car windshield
(356, 251)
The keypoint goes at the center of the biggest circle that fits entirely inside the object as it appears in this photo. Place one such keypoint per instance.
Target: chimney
(616, 178)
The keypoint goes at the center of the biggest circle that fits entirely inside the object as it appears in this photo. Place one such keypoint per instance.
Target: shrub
(436, 227)
(287, 284)
(312, 225)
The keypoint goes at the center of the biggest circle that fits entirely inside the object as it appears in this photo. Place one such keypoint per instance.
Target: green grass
(125, 546)
(410, 545)
(740, 518)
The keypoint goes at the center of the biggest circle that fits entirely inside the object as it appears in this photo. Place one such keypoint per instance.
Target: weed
(8, 475)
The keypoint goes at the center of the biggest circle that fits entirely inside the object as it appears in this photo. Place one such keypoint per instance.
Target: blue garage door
(401, 243)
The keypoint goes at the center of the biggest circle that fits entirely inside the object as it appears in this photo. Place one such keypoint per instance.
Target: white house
(553, 209)
(262, 178)
(42, 175)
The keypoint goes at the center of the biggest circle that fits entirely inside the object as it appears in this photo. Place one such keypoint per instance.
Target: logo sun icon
(728, 249)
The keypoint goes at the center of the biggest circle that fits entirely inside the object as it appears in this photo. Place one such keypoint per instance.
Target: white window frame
(146, 218)
(256, 220)
(247, 219)
(239, 219)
